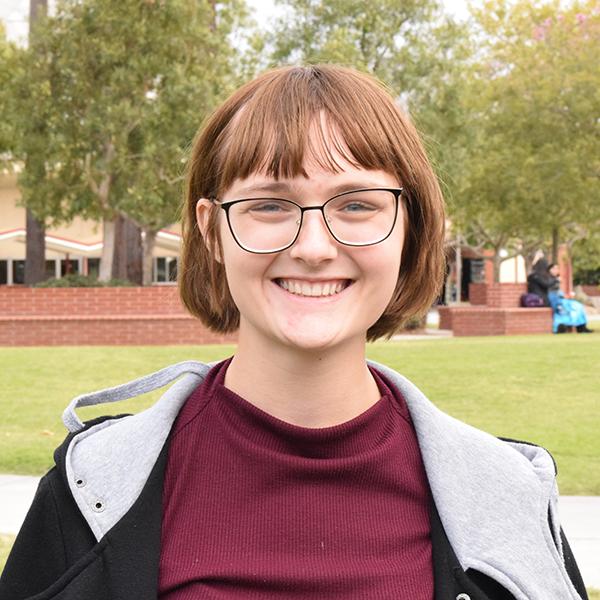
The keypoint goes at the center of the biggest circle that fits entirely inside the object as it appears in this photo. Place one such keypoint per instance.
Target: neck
(306, 388)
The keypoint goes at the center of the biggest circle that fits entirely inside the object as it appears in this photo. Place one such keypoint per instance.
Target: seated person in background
(566, 311)
(540, 281)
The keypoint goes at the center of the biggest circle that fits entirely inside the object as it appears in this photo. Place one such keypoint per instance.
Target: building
(73, 248)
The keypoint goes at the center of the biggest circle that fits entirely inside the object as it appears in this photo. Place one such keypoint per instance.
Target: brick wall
(486, 320)
(99, 316)
(495, 310)
(591, 290)
(501, 295)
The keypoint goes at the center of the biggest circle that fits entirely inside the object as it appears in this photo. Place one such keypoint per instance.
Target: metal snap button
(463, 597)
(98, 506)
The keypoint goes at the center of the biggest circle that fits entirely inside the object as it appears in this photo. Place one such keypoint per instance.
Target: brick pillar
(566, 269)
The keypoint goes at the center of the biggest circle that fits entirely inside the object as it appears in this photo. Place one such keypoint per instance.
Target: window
(93, 267)
(69, 266)
(165, 269)
(3, 272)
(50, 269)
(18, 271)
(477, 270)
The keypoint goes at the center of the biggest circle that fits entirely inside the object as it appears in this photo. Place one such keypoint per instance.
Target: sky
(14, 14)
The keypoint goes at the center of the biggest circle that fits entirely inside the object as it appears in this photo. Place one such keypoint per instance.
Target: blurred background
(100, 100)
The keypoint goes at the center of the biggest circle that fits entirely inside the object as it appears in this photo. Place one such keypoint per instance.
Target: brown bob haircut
(262, 128)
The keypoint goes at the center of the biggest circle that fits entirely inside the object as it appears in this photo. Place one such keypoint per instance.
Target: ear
(203, 209)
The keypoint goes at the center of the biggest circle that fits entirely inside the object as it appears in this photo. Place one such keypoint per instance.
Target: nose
(315, 243)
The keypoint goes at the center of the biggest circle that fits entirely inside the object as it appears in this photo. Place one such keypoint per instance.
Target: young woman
(296, 469)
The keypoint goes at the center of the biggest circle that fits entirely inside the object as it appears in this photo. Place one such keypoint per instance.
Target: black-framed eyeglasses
(361, 217)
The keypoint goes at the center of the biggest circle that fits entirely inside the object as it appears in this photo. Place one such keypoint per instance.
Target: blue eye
(356, 207)
(268, 207)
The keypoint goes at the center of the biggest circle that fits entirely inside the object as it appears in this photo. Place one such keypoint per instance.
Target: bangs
(349, 115)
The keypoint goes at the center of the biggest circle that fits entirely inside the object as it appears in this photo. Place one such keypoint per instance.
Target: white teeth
(304, 288)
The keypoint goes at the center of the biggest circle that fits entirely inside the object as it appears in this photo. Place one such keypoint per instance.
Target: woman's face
(257, 282)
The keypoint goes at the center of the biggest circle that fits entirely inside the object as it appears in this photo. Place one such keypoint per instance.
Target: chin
(315, 340)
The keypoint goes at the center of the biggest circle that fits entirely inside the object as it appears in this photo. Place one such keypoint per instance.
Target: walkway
(580, 518)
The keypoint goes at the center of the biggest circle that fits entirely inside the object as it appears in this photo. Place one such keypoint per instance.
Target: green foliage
(415, 323)
(76, 280)
(370, 36)
(586, 261)
(531, 134)
(107, 99)
(6, 52)
(507, 104)
(411, 46)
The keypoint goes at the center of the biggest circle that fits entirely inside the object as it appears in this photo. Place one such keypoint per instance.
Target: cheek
(383, 266)
(244, 271)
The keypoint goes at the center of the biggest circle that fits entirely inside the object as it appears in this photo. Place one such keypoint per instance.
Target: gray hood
(493, 497)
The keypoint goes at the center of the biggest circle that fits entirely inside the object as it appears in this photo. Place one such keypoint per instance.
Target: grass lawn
(542, 389)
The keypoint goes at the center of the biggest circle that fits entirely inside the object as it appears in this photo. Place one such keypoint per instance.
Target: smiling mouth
(313, 289)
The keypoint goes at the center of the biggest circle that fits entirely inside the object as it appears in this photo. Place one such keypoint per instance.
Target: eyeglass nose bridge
(304, 209)
(300, 221)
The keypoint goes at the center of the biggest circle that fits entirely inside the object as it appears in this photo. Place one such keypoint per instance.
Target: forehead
(328, 168)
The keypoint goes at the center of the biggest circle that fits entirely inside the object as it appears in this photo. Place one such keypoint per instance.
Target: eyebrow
(281, 187)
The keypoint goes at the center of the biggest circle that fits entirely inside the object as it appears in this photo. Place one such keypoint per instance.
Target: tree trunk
(555, 244)
(35, 237)
(35, 250)
(496, 261)
(119, 262)
(37, 9)
(127, 258)
(108, 249)
(134, 251)
(149, 240)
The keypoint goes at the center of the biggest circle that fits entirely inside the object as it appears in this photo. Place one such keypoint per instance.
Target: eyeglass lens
(267, 224)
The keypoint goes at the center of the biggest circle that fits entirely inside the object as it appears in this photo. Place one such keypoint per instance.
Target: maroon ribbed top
(255, 507)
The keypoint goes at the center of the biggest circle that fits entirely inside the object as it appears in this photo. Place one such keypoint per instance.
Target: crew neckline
(363, 433)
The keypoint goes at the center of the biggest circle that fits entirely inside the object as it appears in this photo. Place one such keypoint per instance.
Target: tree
(370, 36)
(405, 44)
(533, 134)
(418, 51)
(586, 261)
(21, 137)
(123, 86)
